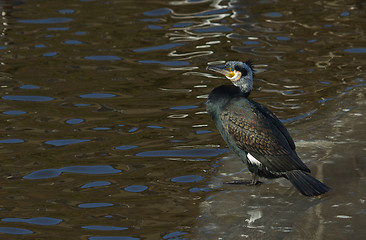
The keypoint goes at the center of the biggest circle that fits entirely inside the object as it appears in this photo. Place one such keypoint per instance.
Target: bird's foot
(243, 182)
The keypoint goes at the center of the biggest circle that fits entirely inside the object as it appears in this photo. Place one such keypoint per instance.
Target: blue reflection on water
(293, 92)
(101, 128)
(27, 98)
(82, 105)
(99, 169)
(50, 54)
(184, 107)
(174, 236)
(273, 14)
(46, 20)
(160, 47)
(136, 188)
(44, 173)
(325, 100)
(155, 27)
(126, 147)
(149, 20)
(74, 121)
(12, 140)
(11, 230)
(153, 126)
(251, 42)
(96, 184)
(97, 95)
(95, 205)
(81, 33)
(104, 228)
(292, 119)
(345, 14)
(134, 129)
(50, 173)
(355, 50)
(64, 142)
(29, 87)
(158, 12)
(66, 11)
(187, 179)
(202, 131)
(73, 42)
(324, 82)
(39, 46)
(182, 25)
(355, 86)
(283, 38)
(203, 152)
(203, 189)
(14, 112)
(46, 221)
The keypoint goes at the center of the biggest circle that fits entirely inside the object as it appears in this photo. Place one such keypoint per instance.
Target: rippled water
(104, 133)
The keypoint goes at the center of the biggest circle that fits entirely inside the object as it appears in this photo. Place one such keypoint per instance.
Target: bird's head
(239, 73)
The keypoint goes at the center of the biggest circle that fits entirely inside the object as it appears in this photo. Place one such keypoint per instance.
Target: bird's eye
(232, 69)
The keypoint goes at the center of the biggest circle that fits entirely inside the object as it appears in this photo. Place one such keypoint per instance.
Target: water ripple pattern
(63, 142)
(50, 173)
(38, 220)
(28, 98)
(209, 152)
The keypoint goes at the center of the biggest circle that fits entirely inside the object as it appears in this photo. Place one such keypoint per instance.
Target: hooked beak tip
(210, 68)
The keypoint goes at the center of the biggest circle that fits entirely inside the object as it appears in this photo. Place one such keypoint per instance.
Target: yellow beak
(222, 71)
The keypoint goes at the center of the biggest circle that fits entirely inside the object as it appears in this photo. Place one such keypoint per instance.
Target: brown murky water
(104, 133)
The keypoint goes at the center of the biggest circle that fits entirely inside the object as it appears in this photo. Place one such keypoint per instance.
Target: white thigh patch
(253, 160)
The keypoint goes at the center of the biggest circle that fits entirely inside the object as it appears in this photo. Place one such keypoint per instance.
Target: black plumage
(255, 134)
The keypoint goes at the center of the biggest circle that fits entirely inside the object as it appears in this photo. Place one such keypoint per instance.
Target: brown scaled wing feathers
(260, 134)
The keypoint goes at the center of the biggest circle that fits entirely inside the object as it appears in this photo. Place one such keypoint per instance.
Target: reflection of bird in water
(254, 133)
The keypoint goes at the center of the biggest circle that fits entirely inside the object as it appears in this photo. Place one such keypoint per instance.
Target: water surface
(105, 135)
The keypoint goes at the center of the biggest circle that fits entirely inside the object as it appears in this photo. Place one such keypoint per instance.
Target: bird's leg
(253, 182)
(255, 179)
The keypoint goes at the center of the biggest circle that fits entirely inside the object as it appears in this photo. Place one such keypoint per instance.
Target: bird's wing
(257, 133)
(276, 122)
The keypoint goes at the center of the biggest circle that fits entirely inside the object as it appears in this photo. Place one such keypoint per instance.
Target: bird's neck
(244, 85)
(245, 90)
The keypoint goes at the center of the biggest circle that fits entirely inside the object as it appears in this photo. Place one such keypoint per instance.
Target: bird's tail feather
(306, 184)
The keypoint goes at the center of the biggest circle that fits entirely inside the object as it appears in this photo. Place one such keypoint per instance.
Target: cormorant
(254, 133)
